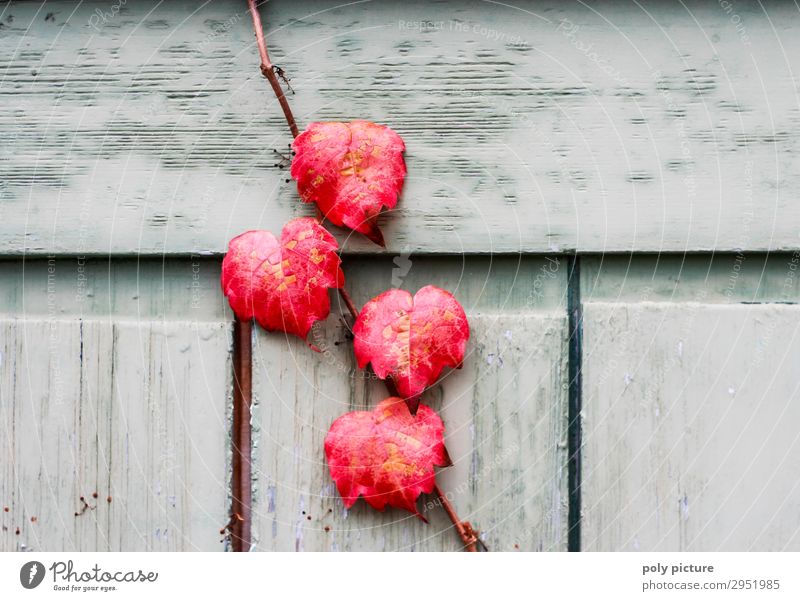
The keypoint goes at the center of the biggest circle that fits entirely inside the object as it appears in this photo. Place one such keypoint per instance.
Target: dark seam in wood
(575, 402)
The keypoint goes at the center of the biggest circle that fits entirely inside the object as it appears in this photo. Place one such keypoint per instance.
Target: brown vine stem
(351, 307)
(267, 68)
(239, 527)
(464, 529)
(468, 536)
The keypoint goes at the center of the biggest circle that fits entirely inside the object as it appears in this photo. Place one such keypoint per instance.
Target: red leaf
(387, 454)
(351, 170)
(411, 340)
(283, 285)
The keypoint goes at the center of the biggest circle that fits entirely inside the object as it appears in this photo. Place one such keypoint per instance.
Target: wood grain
(539, 128)
(130, 416)
(504, 414)
(690, 427)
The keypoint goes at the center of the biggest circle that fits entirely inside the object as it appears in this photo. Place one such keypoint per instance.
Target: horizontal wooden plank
(505, 420)
(113, 435)
(538, 128)
(690, 414)
(120, 288)
(493, 284)
(188, 288)
(712, 278)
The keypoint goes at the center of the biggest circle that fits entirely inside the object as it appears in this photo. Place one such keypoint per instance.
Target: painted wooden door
(607, 190)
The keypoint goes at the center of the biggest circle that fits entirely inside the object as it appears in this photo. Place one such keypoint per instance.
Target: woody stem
(464, 529)
(267, 70)
(348, 301)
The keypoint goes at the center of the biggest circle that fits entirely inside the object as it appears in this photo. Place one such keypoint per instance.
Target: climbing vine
(351, 171)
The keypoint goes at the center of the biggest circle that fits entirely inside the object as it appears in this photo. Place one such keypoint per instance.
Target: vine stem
(239, 527)
(267, 68)
(468, 536)
(464, 529)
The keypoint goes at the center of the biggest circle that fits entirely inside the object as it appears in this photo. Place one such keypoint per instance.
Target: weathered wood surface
(134, 412)
(690, 429)
(541, 127)
(504, 414)
(727, 279)
(127, 288)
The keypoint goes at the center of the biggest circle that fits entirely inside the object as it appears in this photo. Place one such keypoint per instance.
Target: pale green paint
(158, 140)
(690, 427)
(721, 278)
(505, 420)
(145, 288)
(132, 410)
(504, 414)
(537, 128)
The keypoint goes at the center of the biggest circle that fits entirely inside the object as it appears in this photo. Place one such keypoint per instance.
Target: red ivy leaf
(284, 285)
(351, 170)
(387, 454)
(411, 340)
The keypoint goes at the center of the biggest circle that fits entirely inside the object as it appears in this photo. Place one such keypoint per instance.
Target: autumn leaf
(284, 285)
(387, 455)
(351, 170)
(411, 340)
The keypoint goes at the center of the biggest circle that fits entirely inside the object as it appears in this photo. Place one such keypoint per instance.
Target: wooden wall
(504, 412)
(690, 399)
(113, 411)
(545, 127)
(654, 141)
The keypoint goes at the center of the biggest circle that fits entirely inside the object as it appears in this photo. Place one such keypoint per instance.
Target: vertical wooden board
(49, 402)
(690, 427)
(134, 412)
(171, 391)
(505, 419)
(506, 413)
